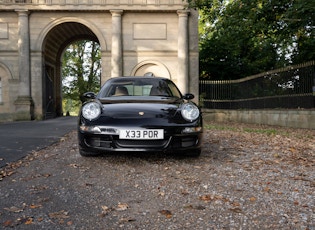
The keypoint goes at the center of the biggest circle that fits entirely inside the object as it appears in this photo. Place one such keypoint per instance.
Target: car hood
(131, 109)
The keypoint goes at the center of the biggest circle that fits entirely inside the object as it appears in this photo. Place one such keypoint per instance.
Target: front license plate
(147, 134)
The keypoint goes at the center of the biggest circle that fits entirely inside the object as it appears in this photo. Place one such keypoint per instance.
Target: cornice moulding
(93, 5)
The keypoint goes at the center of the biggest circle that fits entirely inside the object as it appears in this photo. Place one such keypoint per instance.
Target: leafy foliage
(239, 38)
(81, 70)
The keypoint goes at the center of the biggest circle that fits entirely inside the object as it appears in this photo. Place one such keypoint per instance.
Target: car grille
(109, 142)
(141, 143)
(184, 142)
(99, 142)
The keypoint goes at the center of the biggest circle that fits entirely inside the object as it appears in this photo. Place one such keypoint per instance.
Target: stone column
(183, 51)
(116, 43)
(24, 102)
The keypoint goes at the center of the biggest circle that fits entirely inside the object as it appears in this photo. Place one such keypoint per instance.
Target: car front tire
(85, 153)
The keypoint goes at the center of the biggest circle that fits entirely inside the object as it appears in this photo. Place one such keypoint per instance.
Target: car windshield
(137, 86)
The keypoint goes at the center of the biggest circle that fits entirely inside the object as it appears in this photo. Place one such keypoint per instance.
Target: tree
(239, 38)
(299, 23)
(81, 71)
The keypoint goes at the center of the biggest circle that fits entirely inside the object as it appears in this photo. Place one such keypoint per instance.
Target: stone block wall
(286, 118)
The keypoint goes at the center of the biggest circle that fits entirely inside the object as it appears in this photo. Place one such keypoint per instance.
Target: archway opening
(81, 72)
(58, 39)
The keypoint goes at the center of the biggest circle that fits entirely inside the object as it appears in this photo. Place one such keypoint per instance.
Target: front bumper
(176, 139)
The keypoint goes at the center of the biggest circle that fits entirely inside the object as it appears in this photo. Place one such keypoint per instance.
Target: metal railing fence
(290, 87)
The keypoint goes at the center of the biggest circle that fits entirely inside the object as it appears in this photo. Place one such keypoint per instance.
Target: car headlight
(190, 112)
(91, 110)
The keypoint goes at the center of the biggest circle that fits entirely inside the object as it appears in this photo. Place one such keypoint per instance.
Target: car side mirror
(188, 96)
(89, 95)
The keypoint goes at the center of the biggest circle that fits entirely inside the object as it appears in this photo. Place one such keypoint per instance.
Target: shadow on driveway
(17, 139)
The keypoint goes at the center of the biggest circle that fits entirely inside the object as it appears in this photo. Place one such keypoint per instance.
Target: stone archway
(4, 78)
(33, 37)
(54, 43)
(5, 91)
(157, 68)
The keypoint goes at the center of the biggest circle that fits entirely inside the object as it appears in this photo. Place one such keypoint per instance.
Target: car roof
(138, 77)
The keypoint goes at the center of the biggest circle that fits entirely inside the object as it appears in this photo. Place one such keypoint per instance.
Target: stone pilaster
(183, 51)
(24, 103)
(116, 43)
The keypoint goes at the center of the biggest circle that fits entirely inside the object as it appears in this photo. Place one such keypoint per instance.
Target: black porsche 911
(139, 114)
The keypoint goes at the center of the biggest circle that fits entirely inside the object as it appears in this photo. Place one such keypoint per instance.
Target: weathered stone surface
(286, 118)
(121, 28)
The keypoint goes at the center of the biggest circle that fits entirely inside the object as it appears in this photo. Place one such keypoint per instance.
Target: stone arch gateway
(77, 29)
(135, 36)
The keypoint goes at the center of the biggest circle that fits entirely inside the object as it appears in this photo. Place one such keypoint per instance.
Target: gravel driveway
(247, 177)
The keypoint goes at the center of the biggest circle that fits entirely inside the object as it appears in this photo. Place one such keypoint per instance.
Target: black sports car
(139, 114)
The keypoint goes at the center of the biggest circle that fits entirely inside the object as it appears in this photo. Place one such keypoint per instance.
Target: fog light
(192, 130)
(91, 129)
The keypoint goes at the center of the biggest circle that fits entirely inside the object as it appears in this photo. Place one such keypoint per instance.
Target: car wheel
(85, 153)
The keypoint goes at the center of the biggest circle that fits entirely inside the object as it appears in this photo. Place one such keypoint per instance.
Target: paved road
(17, 139)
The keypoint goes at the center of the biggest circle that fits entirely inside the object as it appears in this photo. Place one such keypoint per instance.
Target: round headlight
(190, 112)
(91, 110)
